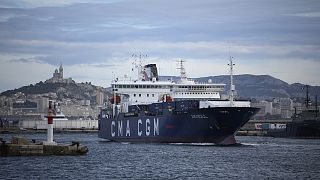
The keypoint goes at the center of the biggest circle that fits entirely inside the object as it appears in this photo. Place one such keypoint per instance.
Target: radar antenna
(232, 86)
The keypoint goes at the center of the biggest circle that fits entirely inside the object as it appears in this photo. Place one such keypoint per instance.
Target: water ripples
(255, 158)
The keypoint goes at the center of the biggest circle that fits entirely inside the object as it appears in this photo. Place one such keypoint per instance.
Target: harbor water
(255, 158)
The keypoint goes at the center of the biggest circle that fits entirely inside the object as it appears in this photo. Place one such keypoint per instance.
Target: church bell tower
(61, 71)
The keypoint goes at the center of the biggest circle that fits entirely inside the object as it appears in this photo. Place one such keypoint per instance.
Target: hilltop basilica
(57, 77)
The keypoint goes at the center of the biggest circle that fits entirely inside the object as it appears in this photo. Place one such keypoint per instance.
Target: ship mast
(138, 63)
(232, 86)
(316, 106)
(307, 98)
(183, 74)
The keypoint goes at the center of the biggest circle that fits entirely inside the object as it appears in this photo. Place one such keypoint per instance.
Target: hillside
(78, 91)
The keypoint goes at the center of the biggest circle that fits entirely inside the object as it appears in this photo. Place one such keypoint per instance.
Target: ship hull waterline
(207, 125)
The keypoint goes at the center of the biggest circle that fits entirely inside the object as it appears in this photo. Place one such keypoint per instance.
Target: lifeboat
(118, 99)
(166, 98)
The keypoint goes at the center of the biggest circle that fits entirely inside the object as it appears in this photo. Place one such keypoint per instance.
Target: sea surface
(255, 158)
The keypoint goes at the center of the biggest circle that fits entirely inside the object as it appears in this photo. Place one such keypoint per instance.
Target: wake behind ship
(148, 110)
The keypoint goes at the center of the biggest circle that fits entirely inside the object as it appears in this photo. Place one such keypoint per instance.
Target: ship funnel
(151, 72)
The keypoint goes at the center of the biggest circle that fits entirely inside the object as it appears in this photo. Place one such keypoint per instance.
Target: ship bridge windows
(141, 86)
(198, 88)
(118, 86)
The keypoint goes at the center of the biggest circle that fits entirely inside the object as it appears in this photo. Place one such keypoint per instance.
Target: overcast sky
(95, 39)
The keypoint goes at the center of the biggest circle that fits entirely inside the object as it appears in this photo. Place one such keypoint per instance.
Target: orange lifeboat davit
(166, 98)
(118, 99)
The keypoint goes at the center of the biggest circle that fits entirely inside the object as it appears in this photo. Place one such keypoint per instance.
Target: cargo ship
(152, 111)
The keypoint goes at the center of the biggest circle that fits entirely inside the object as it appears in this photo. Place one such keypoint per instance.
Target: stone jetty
(20, 146)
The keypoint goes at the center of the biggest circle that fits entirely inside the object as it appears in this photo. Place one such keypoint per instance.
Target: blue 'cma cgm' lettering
(122, 128)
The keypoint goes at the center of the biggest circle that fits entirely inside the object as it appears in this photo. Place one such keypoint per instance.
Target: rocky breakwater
(20, 146)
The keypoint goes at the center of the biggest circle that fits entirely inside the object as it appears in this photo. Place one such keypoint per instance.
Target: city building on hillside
(265, 108)
(276, 110)
(25, 107)
(100, 98)
(297, 107)
(77, 111)
(42, 103)
(57, 77)
(286, 106)
(85, 102)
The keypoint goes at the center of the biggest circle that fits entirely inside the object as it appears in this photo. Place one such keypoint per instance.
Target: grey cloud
(48, 3)
(102, 65)
(25, 60)
(244, 21)
(83, 32)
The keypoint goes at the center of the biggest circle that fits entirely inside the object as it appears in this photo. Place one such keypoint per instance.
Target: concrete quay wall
(60, 124)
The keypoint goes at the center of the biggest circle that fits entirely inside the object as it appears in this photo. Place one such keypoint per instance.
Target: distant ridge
(258, 86)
